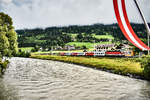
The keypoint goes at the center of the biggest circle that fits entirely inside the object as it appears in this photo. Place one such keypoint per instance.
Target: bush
(145, 63)
(33, 50)
(23, 54)
(3, 65)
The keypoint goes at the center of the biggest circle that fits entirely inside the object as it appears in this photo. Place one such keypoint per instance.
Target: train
(99, 53)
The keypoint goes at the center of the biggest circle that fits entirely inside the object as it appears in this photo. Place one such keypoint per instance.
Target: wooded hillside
(59, 36)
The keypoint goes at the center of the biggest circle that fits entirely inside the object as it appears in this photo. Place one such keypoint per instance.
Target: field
(26, 49)
(36, 53)
(123, 66)
(103, 36)
(74, 35)
(55, 52)
(97, 36)
(87, 44)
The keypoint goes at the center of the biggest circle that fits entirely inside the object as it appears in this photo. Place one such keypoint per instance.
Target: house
(127, 49)
(105, 47)
(69, 47)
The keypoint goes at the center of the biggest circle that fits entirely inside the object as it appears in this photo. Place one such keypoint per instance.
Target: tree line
(53, 36)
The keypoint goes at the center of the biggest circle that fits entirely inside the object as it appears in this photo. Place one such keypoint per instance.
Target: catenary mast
(145, 22)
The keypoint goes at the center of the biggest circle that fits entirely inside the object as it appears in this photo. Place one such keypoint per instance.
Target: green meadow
(123, 66)
(26, 49)
(87, 44)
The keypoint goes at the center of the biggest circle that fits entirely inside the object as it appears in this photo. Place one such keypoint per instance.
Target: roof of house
(105, 45)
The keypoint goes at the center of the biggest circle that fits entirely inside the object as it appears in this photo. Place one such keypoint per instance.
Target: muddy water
(32, 79)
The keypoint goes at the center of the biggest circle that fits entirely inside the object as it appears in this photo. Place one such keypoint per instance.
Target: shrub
(23, 54)
(145, 63)
(33, 50)
(3, 65)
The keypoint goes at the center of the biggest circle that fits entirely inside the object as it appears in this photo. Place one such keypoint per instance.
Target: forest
(59, 36)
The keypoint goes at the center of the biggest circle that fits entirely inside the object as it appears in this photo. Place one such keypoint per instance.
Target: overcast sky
(46, 13)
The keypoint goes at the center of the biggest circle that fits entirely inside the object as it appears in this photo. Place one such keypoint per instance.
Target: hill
(60, 36)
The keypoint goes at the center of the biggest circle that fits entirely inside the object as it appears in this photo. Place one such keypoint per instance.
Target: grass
(87, 44)
(74, 35)
(116, 65)
(103, 36)
(97, 36)
(56, 52)
(26, 48)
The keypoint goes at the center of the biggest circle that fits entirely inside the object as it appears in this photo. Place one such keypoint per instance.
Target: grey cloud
(21, 2)
(133, 12)
(4, 2)
(43, 13)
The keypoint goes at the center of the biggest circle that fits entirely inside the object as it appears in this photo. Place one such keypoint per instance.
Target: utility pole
(145, 23)
(94, 44)
(51, 50)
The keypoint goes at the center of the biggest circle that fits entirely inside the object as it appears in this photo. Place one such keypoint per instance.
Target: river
(33, 79)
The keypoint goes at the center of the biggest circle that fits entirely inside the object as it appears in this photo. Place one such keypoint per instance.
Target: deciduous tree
(8, 36)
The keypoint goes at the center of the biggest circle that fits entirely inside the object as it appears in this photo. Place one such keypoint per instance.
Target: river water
(32, 79)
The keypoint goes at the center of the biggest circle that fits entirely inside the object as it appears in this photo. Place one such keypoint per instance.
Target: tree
(145, 63)
(8, 40)
(4, 44)
(84, 47)
(79, 37)
(8, 36)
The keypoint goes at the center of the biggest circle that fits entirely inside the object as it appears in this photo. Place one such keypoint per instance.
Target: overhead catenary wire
(144, 20)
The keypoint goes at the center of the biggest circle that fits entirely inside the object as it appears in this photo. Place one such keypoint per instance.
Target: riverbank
(123, 66)
(35, 79)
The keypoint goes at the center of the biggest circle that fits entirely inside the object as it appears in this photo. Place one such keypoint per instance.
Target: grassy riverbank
(121, 66)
